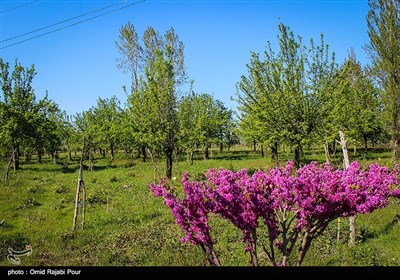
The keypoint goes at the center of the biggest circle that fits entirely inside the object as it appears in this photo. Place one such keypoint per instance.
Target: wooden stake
(8, 166)
(346, 163)
(80, 186)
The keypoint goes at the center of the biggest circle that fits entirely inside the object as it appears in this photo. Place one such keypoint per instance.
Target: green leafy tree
(153, 102)
(107, 122)
(48, 123)
(18, 104)
(285, 91)
(86, 134)
(383, 22)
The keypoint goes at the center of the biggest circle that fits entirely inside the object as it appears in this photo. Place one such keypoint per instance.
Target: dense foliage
(295, 206)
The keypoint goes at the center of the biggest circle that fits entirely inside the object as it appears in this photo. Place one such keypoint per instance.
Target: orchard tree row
(297, 95)
(29, 126)
(300, 96)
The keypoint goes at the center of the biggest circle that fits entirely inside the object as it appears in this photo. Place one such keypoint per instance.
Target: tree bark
(112, 151)
(210, 254)
(16, 157)
(395, 134)
(39, 155)
(206, 153)
(169, 154)
(346, 164)
(262, 151)
(190, 158)
(28, 156)
(297, 154)
(274, 152)
(90, 160)
(254, 146)
(144, 153)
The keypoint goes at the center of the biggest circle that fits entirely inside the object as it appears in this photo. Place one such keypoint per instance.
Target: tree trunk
(274, 152)
(144, 153)
(39, 155)
(338, 231)
(90, 160)
(190, 158)
(169, 154)
(396, 150)
(327, 155)
(395, 135)
(297, 154)
(53, 157)
(28, 156)
(354, 150)
(343, 143)
(206, 153)
(254, 146)
(16, 157)
(221, 146)
(112, 151)
(210, 254)
(334, 148)
(304, 245)
(69, 155)
(262, 151)
(366, 144)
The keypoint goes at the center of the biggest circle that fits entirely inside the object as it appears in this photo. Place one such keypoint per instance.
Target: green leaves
(281, 98)
(383, 22)
(26, 123)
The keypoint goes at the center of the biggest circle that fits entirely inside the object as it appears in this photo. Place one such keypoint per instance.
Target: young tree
(203, 121)
(286, 90)
(354, 107)
(159, 72)
(107, 120)
(383, 22)
(86, 133)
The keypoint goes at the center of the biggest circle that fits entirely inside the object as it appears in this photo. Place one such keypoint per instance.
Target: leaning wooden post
(346, 163)
(80, 186)
(8, 166)
(83, 202)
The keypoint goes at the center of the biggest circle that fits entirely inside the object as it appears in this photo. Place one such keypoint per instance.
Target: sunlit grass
(126, 225)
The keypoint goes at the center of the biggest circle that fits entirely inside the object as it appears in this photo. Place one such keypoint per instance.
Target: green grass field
(127, 226)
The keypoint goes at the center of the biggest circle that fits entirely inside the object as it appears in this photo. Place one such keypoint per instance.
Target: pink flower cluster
(293, 204)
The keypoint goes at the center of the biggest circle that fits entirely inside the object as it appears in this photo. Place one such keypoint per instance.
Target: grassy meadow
(127, 226)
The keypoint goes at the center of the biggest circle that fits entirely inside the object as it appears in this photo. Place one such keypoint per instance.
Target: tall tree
(131, 53)
(286, 90)
(154, 98)
(17, 104)
(383, 22)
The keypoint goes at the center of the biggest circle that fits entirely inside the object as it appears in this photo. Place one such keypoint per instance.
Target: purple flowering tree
(296, 206)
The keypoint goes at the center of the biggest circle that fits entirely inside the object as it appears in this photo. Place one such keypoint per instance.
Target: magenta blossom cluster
(294, 205)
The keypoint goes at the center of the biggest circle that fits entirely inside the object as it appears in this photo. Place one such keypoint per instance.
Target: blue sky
(77, 65)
